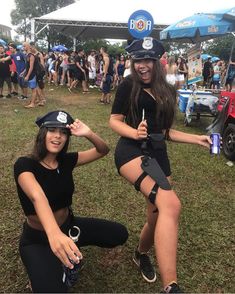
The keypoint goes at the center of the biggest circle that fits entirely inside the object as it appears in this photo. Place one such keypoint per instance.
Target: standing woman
(142, 114)
(182, 71)
(171, 71)
(45, 187)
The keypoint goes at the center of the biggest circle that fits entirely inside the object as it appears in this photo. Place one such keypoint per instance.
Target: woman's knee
(168, 202)
(121, 235)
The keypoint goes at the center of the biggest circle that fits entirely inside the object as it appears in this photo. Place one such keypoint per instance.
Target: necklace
(50, 167)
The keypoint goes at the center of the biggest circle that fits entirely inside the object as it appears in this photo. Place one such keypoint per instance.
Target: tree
(221, 47)
(28, 9)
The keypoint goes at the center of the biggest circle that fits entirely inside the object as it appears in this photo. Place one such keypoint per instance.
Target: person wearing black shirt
(142, 114)
(45, 188)
(5, 74)
(81, 74)
(207, 73)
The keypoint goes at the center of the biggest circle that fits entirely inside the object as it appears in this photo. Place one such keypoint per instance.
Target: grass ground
(204, 184)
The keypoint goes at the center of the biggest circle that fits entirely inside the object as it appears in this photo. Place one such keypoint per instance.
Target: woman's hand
(64, 248)
(204, 140)
(142, 130)
(79, 129)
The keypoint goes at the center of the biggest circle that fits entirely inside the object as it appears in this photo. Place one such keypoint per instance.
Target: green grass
(204, 184)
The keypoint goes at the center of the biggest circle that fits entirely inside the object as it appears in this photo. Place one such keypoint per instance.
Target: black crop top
(57, 184)
(145, 101)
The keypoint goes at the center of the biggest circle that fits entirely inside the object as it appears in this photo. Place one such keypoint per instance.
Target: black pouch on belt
(157, 141)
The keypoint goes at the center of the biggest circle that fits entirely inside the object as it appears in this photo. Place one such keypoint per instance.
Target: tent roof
(101, 19)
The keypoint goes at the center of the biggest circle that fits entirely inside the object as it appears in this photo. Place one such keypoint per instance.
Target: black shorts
(5, 79)
(14, 78)
(128, 149)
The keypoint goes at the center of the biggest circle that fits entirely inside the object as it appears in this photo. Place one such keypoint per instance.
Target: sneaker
(1, 96)
(142, 260)
(8, 96)
(22, 97)
(172, 288)
(14, 93)
(70, 90)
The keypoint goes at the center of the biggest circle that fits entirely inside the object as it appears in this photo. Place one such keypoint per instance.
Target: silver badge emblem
(62, 117)
(147, 43)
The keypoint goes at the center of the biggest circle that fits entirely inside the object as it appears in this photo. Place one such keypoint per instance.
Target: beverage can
(215, 146)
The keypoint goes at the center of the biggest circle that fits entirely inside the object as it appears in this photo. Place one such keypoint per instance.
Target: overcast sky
(173, 9)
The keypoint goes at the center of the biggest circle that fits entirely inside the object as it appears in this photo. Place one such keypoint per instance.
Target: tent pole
(33, 29)
(230, 59)
(74, 44)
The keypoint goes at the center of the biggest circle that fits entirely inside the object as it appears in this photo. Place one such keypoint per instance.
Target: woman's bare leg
(166, 229)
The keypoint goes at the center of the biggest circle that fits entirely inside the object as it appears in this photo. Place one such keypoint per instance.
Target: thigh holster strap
(153, 169)
(153, 194)
(139, 181)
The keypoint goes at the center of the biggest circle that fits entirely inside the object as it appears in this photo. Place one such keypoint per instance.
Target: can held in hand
(215, 146)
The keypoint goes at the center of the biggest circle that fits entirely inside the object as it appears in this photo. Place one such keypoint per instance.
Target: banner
(194, 64)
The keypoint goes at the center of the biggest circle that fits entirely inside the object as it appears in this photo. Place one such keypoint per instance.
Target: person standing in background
(207, 73)
(108, 71)
(5, 73)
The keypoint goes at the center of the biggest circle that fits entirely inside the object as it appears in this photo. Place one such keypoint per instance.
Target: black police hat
(55, 119)
(147, 48)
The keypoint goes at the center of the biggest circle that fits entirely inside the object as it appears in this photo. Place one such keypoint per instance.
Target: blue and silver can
(215, 146)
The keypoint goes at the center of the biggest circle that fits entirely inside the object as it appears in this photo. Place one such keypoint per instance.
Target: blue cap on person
(56, 119)
(146, 48)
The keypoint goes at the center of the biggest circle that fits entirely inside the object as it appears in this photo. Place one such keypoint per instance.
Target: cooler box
(184, 95)
(183, 101)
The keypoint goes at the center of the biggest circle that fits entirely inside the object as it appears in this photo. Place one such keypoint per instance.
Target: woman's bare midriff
(60, 216)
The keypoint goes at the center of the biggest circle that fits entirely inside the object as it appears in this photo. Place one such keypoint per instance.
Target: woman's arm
(118, 125)
(79, 129)
(61, 245)
(182, 137)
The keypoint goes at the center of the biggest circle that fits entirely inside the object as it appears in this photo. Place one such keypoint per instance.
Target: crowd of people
(27, 70)
(217, 74)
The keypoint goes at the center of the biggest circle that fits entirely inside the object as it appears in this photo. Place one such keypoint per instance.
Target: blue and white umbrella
(215, 59)
(205, 56)
(59, 48)
(2, 42)
(197, 28)
(226, 14)
(19, 47)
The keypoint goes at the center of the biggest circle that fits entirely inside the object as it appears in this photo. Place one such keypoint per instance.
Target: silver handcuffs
(74, 237)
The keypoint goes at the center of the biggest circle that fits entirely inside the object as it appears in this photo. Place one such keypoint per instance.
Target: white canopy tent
(103, 19)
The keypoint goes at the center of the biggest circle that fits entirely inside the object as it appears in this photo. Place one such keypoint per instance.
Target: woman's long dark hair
(40, 151)
(163, 92)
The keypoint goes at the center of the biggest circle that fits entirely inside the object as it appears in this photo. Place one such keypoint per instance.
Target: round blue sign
(140, 24)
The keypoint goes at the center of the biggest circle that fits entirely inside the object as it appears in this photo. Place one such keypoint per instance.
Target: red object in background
(12, 65)
(224, 96)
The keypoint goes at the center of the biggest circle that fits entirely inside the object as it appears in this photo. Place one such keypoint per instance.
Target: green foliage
(28, 9)
(221, 47)
(177, 48)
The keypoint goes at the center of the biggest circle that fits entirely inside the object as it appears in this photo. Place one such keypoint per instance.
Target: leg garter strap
(139, 181)
(153, 194)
